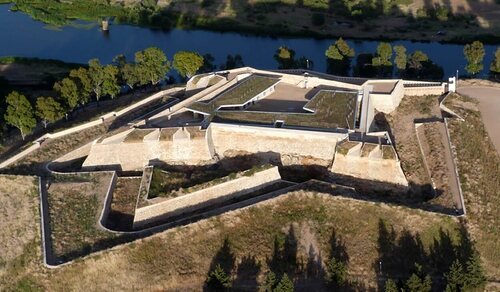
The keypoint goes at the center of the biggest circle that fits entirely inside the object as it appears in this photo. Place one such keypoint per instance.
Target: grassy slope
(479, 169)
(19, 232)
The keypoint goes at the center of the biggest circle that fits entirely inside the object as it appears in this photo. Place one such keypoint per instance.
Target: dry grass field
(479, 169)
(19, 231)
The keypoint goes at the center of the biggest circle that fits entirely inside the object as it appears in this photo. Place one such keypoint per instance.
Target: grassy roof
(332, 109)
(236, 95)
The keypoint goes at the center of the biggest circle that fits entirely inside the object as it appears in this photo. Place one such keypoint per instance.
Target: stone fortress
(299, 116)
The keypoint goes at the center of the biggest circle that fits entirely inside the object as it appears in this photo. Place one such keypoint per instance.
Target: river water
(22, 36)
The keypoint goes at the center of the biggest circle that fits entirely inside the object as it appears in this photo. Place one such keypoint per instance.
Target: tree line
(150, 66)
(95, 81)
(387, 59)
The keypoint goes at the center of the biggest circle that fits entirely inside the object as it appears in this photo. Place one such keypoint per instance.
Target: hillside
(457, 21)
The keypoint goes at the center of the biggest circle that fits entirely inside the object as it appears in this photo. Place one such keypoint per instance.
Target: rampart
(367, 161)
(202, 198)
(387, 102)
(230, 138)
(421, 88)
(187, 145)
(88, 125)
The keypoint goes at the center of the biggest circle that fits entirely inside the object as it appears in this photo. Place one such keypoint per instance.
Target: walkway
(489, 105)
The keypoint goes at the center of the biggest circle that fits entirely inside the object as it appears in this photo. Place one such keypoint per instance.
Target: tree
(233, 62)
(152, 65)
(382, 60)
(187, 63)
(401, 58)
(208, 64)
(68, 91)
(336, 272)
(96, 73)
(474, 54)
(339, 56)
(120, 61)
(269, 282)
(20, 113)
(130, 75)
(418, 282)
(415, 60)
(218, 280)
(285, 285)
(455, 277)
(49, 110)
(474, 278)
(285, 58)
(391, 286)
(495, 64)
(340, 50)
(384, 55)
(84, 83)
(110, 81)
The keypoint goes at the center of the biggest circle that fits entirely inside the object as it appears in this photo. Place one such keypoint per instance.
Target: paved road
(489, 105)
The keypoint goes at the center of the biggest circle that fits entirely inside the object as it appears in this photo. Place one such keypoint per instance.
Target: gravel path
(489, 105)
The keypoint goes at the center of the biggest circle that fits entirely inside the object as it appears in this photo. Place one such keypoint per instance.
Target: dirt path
(489, 105)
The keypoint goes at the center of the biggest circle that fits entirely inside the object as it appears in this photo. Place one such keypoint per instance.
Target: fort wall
(371, 166)
(202, 198)
(180, 148)
(388, 102)
(229, 138)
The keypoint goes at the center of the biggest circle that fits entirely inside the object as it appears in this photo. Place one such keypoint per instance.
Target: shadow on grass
(398, 252)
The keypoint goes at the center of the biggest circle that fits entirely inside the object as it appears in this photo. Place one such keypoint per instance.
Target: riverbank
(278, 19)
(22, 71)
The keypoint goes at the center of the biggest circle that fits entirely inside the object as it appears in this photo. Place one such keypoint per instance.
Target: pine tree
(336, 272)
(218, 280)
(269, 282)
(391, 286)
(474, 277)
(20, 113)
(285, 285)
(455, 277)
(418, 282)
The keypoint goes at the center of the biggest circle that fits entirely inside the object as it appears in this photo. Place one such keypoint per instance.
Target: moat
(79, 42)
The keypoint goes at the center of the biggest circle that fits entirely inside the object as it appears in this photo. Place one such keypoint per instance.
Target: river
(22, 36)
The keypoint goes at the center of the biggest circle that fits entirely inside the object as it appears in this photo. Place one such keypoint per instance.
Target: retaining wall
(388, 102)
(424, 90)
(180, 149)
(209, 196)
(229, 138)
(371, 167)
(82, 127)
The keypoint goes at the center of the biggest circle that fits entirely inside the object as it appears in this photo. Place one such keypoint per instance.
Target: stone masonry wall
(202, 198)
(181, 149)
(230, 138)
(369, 167)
